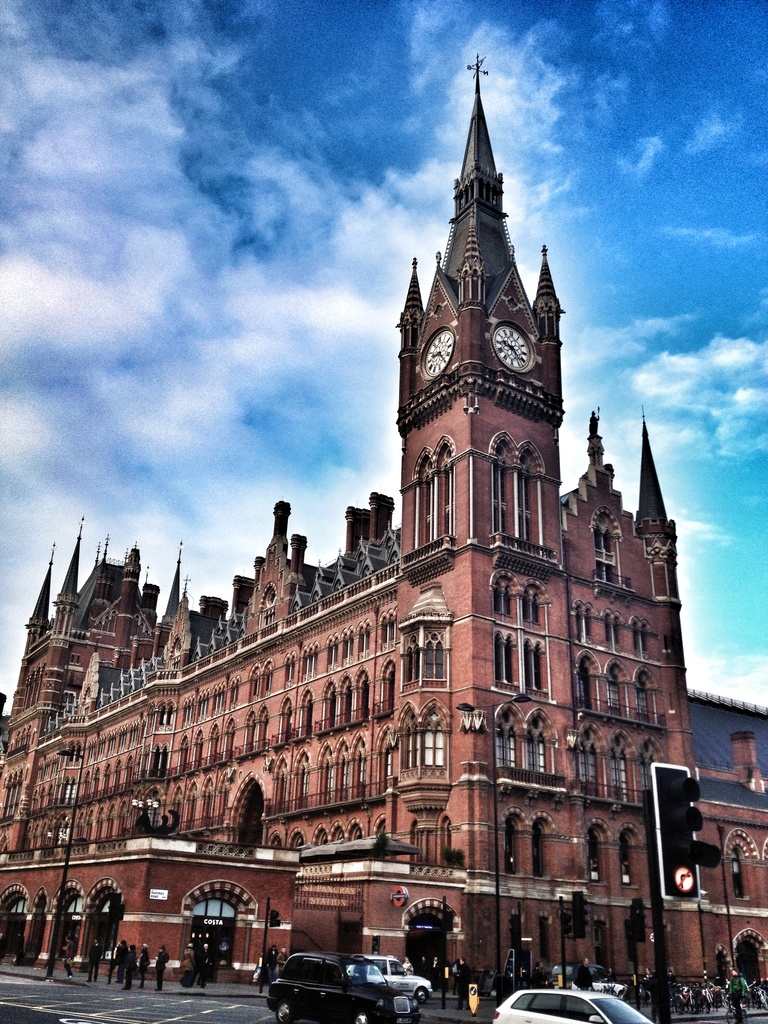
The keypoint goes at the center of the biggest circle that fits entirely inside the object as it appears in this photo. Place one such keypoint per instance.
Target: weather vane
(477, 67)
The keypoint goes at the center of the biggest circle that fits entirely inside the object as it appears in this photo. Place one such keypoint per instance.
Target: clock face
(511, 347)
(438, 353)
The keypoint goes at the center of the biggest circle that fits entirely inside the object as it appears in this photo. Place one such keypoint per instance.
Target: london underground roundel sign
(400, 896)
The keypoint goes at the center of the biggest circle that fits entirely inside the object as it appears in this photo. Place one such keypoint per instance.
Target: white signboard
(158, 894)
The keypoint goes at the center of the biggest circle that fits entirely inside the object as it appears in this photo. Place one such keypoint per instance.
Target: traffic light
(565, 922)
(579, 909)
(274, 919)
(677, 821)
(636, 929)
(515, 932)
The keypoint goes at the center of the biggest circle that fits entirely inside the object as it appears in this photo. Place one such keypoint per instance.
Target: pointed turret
(175, 593)
(548, 312)
(66, 602)
(411, 317)
(546, 305)
(39, 622)
(472, 270)
(651, 503)
(69, 586)
(660, 536)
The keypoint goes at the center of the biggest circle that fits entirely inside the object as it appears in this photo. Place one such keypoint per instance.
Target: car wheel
(360, 1017)
(283, 1012)
(421, 994)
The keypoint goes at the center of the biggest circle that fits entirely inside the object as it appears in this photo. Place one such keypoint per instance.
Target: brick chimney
(745, 760)
(298, 547)
(213, 607)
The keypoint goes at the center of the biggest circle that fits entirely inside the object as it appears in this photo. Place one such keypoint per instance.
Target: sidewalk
(431, 1010)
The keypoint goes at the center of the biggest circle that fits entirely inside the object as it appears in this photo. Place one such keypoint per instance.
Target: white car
(397, 977)
(600, 982)
(564, 1006)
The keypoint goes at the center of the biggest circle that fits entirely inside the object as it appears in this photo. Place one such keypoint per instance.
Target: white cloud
(723, 387)
(709, 133)
(740, 677)
(646, 152)
(720, 238)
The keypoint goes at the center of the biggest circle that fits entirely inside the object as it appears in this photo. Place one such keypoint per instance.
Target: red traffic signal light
(677, 821)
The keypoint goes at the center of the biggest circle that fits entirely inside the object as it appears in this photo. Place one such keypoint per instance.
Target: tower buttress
(548, 312)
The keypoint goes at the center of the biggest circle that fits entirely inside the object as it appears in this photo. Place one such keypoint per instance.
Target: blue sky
(208, 216)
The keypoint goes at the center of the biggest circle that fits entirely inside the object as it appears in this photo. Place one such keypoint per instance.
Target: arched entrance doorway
(213, 922)
(71, 922)
(424, 944)
(747, 960)
(251, 827)
(13, 925)
(37, 928)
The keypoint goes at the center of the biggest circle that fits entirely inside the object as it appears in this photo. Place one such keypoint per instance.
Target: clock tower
(479, 411)
(480, 391)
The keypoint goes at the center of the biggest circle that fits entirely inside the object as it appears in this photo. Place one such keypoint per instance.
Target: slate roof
(714, 719)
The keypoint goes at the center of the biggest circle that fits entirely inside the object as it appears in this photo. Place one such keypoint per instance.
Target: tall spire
(477, 195)
(651, 504)
(40, 614)
(174, 596)
(69, 586)
(478, 152)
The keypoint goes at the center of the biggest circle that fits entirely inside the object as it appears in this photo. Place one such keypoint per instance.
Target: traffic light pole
(657, 913)
(263, 967)
(562, 914)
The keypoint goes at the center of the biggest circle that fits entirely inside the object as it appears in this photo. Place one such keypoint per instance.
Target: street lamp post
(73, 754)
(518, 698)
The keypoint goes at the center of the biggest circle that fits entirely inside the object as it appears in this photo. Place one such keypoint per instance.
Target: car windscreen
(362, 972)
(619, 1012)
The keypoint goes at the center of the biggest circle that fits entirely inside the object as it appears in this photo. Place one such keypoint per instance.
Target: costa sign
(400, 896)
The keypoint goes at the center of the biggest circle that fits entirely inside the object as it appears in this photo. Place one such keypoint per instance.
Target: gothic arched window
(537, 849)
(433, 741)
(737, 876)
(593, 855)
(510, 846)
(586, 764)
(618, 766)
(535, 750)
(434, 664)
(583, 684)
(524, 487)
(505, 740)
(612, 689)
(624, 863)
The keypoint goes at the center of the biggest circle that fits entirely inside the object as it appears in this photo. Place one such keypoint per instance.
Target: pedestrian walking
(130, 966)
(282, 956)
(737, 991)
(201, 965)
(188, 966)
(121, 955)
(160, 964)
(143, 964)
(539, 976)
(69, 957)
(583, 979)
(463, 979)
(271, 964)
(94, 959)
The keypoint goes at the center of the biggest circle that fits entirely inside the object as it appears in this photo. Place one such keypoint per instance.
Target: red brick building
(290, 727)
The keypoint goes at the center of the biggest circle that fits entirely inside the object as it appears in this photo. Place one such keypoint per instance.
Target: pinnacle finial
(477, 68)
